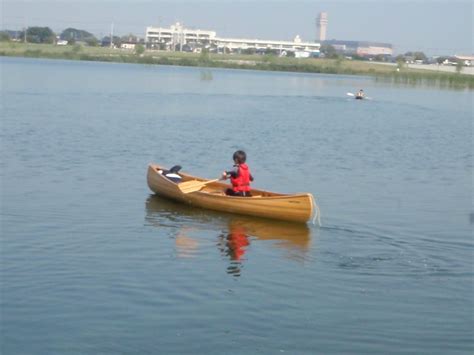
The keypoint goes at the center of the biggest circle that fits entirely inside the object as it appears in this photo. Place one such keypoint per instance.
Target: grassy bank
(256, 62)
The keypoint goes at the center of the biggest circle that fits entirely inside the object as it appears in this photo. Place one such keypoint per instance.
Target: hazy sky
(435, 27)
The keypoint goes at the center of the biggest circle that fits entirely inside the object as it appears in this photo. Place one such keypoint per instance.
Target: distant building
(361, 48)
(175, 36)
(321, 23)
(180, 38)
(464, 57)
(297, 45)
(466, 60)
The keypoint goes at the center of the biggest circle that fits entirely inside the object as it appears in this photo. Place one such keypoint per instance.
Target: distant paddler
(360, 95)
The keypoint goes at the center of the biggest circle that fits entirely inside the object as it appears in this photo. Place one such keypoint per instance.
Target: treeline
(45, 35)
(31, 35)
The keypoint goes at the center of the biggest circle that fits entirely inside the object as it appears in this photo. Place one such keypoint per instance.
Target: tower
(321, 23)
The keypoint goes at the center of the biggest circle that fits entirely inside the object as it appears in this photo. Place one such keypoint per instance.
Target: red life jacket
(242, 181)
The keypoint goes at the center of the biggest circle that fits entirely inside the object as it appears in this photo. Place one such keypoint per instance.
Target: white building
(127, 45)
(176, 36)
(259, 44)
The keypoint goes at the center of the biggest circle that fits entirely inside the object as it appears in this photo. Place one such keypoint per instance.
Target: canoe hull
(296, 208)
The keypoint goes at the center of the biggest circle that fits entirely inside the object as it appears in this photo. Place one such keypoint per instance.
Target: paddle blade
(193, 185)
(350, 94)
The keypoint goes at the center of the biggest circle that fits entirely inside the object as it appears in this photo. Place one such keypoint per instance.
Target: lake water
(93, 263)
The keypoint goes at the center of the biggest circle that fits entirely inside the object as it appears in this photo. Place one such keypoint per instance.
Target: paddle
(193, 185)
(350, 94)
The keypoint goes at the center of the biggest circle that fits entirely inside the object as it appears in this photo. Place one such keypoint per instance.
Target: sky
(432, 26)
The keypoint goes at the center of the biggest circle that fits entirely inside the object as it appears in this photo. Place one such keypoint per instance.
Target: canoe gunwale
(291, 207)
(273, 195)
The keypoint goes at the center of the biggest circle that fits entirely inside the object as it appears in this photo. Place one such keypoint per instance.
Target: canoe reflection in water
(235, 233)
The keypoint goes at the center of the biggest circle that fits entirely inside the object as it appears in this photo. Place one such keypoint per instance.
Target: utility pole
(24, 32)
(112, 35)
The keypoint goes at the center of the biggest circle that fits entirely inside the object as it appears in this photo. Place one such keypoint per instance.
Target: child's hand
(224, 175)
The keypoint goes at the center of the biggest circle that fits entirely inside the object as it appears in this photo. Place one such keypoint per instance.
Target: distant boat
(358, 97)
(287, 207)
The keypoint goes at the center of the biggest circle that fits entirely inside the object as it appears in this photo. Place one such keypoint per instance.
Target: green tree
(416, 55)
(440, 60)
(400, 58)
(76, 34)
(4, 36)
(459, 66)
(129, 38)
(400, 65)
(329, 51)
(401, 62)
(40, 35)
(139, 49)
(116, 41)
(92, 42)
(379, 58)
(204, 57)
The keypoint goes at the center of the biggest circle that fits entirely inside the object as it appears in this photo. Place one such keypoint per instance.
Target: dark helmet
(240, 157)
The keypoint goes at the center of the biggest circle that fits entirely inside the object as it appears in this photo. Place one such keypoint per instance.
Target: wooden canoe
(286, 207)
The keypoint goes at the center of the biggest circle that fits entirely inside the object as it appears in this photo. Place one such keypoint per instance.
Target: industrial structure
(321, 24)
(179, 38)
(361, 48)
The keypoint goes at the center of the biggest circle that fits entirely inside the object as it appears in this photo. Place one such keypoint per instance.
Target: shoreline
(379, 71)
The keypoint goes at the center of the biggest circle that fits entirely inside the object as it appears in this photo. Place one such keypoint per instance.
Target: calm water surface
(93, 263)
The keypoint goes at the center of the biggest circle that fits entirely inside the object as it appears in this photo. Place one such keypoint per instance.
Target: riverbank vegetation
(393, 73)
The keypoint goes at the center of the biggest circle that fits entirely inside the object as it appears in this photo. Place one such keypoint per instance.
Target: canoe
(286, 207)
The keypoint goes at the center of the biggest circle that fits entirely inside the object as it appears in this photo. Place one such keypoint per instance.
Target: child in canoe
(240, 176)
